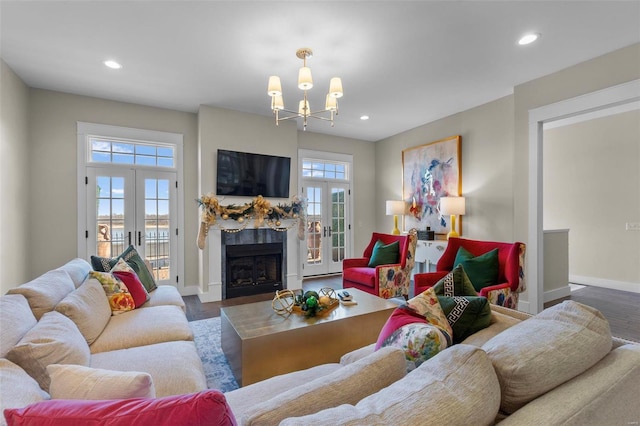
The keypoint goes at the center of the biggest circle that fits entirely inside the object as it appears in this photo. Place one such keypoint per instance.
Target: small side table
(428, 253)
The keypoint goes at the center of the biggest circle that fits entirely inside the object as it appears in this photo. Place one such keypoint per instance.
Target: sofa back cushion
(16, 319)
(88, 308)
(55, 339)
(17, 388)
(538, 354)
(77, 269)
(349, 384)
(46, 291)
(457, 386)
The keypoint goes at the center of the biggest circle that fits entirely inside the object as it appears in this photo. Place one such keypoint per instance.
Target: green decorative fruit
(310, 293)
(312, 302)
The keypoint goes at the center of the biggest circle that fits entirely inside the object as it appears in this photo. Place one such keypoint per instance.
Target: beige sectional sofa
(560, 367)
(63, 317)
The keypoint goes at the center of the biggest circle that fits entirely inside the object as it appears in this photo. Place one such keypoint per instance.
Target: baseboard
(189, 290)
(605, 283)
(213, 295)
(557, 293)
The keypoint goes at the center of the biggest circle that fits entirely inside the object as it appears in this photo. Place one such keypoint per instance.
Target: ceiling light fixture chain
(305, 83)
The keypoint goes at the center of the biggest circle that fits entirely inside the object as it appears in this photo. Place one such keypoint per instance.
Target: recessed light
(113, 65)
(364, 117)
(528, 38)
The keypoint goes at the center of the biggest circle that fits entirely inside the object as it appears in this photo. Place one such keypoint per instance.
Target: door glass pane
(156, 223)
(314, 225)
(337, 224)
(110, 215)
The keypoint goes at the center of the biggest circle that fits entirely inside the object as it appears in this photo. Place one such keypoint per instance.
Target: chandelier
(305, 82)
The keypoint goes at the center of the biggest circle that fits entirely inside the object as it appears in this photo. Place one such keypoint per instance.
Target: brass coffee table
(260, 343)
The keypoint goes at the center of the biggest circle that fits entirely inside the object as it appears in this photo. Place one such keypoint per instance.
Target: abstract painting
(430, 172)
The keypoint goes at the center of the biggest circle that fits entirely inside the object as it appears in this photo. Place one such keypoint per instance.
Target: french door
(134, 207)
(327, 226)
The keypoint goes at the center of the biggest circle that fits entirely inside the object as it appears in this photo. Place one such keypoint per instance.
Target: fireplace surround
(253, 262)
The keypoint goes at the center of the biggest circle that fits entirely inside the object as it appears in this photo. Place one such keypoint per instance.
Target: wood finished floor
(621, 308)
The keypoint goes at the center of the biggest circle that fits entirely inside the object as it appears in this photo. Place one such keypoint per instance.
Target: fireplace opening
(253, 269)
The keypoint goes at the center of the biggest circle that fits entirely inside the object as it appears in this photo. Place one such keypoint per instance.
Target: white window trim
(86, 130)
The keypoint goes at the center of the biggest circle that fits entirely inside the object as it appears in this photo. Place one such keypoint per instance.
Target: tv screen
(249, 175)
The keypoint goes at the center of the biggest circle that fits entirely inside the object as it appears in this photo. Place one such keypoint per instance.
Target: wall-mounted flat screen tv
(249, 175)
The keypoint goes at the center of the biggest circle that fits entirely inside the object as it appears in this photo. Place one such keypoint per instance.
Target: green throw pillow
(133, 259)
(466, 315)
(455, 283)
(482, 270)
(384, 254)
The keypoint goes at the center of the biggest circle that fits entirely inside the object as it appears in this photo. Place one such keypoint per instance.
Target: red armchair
(511, 278)
(385, 281)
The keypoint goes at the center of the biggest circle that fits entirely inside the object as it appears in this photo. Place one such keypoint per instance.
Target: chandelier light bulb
(275, 88)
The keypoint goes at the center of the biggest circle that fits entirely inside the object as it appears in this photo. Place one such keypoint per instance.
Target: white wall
(14, 181)
(592, 186)
(487, 167)
(52, 211)
(599, 73)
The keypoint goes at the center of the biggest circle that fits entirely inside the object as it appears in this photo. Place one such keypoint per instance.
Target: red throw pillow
(133, 283)
(401, 316)
(203, 408)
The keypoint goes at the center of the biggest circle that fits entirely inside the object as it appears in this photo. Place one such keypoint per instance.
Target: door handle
(139, 238)
(129, 237)
(329, 231)
(324, 231)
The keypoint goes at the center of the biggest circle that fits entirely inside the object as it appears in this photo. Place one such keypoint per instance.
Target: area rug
(206, 334)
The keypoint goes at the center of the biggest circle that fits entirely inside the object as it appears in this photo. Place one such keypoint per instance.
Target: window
(126, 152)
(324, 169)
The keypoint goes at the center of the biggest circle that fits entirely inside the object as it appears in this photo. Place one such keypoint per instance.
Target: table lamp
(452, 206)
(395, 208)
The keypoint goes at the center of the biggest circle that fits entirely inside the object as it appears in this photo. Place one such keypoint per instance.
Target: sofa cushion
(609, 387)
(434, 393)
(466, 314)
(349, 384)
(17, 388)
(538, 354)
(384, 254)
(126, 273)
(80, 382)
(143, 327)
(204, 408)
(455, 283)
(55, 339)
(88, 308)
(175, 367)
(78, 269)
(16, 319)
(44, 292)
(482, 270)
(131, 256)
(118, 297)
(427, 305)
(165, 295)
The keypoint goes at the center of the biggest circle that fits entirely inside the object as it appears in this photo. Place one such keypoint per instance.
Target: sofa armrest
(486, 290)
(427, 280)
(355, 262)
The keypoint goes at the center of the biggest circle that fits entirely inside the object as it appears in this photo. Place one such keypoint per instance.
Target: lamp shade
(305, 82)
(452, 205)
(395, 207)
(331, 103)
(275, 88)
(278, 102)
(303, 108)
(335, 87)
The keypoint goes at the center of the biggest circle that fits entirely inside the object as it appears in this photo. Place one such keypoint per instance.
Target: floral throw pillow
(120, 300)
(410, 331)
(427, 305)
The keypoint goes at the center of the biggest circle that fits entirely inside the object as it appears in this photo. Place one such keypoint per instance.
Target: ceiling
(402, 63)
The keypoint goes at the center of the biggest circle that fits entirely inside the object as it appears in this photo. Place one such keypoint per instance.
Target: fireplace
(253, 262)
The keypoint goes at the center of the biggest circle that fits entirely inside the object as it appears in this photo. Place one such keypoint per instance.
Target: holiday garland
(234, 218)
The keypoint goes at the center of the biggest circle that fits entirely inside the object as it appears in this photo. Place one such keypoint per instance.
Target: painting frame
(430, 172)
